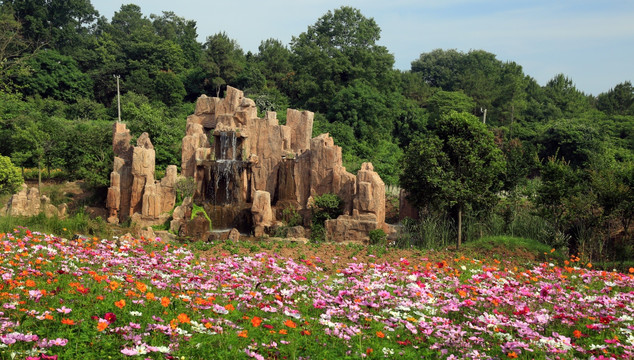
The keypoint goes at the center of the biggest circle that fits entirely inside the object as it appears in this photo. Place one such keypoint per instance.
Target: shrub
(10, 177)
(326, 206)
(291, 217)
(378, 237)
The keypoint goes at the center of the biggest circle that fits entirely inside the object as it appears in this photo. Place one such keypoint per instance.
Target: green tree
(223, 60)
(614, 186)
(617, 101)
(174, 28)
(456, 167)
(61, 25)
(565, 96)
(57, 76)
(10, 177)
(340, 48)
(274, 62)
(573, 140)
(444, 102)
(561, 200)
(15, 50)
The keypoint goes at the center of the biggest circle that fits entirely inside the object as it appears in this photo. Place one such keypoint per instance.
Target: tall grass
(430, 232)
(79, 223)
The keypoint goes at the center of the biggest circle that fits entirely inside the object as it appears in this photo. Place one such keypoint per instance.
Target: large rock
(133, 192)
(26, 202)
(261, 209)
(370, 197)
(301, 128)
(194, 139)
(327, 174)
(279, 165)
(196, 228)
(180, 215)
(355, 228)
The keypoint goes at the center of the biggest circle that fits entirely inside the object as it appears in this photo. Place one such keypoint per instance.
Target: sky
(591, 42)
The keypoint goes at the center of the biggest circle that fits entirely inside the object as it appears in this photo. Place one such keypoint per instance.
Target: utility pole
(118, 99)
(484, 118)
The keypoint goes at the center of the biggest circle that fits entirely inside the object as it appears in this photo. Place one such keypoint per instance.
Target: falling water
(227, 168)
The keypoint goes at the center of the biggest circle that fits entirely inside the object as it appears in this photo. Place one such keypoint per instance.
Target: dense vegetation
(566, 157)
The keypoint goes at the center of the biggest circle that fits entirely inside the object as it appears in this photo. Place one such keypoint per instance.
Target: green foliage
(184, 188)
(334, 52)
(223, 60)
(325, 207)
(617, 101)
(456, 165)
(377, 237)
(444, 102)
(200, 210)
(79, 223)
(57, 76)
(539, 250)
(565, 96)
(432, 231)
(10, 177)
(291, 217)
(573, 140)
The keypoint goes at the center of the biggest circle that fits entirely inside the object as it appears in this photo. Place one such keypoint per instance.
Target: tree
(15, 50)
(56, 76)
(223, 60)
(274, 62)
(337, 50)
(10, 177)
(573, 140)
(60, 25)
(614, 185)
(564, 200)
(456, 167)
(617, 101)
(439, 68)
(180, 31)
(565, 96)
(444, 102)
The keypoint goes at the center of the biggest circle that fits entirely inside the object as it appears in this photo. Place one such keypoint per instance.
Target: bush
(378, 237)
(325, 207)
(10, 177)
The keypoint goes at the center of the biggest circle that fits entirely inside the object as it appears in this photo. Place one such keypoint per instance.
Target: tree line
(58, 58)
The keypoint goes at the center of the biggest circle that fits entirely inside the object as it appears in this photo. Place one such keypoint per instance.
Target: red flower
(110, 317)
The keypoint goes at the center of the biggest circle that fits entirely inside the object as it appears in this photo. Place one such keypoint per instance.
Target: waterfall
(226, 169)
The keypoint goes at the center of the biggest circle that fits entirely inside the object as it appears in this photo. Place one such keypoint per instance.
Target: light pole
(118, 99)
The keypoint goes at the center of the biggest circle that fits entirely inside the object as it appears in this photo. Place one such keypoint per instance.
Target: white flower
(135, 313)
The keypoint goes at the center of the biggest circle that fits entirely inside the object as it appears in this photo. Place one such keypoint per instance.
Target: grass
(79, 223)
(514, 244)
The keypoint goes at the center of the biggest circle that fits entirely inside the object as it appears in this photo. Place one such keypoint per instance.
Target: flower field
(150, 299)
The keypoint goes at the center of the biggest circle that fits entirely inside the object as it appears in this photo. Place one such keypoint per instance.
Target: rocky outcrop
(261, 209)
(355, 227)
(133, 191)
(370, 194)
(180, 215)
(327, 174)
(28, 202)
(259, 163)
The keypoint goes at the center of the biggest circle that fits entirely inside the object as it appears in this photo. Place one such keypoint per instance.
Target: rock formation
(245, 169)
(28, 202)
(133, 192)
(244, 163)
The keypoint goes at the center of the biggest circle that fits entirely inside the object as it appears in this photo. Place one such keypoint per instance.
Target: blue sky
(592, 42)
